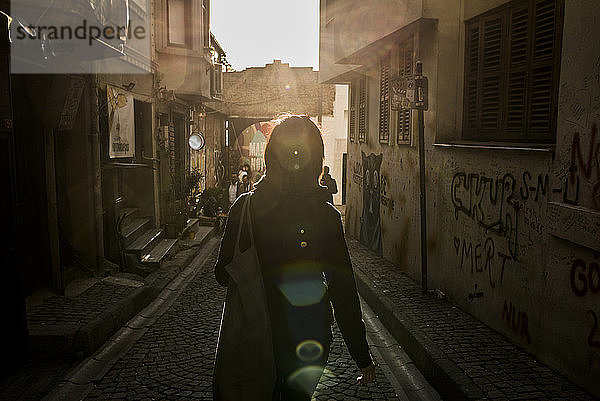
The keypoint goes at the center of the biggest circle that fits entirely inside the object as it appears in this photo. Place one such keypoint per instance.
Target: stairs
(144, 247)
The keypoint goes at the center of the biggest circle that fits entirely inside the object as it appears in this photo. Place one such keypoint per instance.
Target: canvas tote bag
(245, 365)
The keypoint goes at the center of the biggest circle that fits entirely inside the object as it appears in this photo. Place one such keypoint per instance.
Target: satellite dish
(196, 141)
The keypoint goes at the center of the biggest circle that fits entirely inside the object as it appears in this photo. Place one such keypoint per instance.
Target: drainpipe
(94, 139)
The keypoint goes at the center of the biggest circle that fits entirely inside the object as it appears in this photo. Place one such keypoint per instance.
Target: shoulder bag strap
(249, 218)
(240, 225)
(245, 217)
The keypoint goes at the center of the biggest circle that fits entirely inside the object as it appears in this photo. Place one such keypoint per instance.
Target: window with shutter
(352, 112)
(512, 62)
(405, 68)
(384, 100)
(362, 109)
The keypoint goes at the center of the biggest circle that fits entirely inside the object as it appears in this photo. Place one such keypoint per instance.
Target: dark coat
(242, 187)
(305, 264)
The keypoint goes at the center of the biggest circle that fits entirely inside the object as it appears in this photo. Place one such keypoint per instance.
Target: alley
(167, 351)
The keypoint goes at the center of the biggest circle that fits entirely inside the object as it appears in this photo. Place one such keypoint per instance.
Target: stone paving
(500, 369)
(60, 310)
(174, 358)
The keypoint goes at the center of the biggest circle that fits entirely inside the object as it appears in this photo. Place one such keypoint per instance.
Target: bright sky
(254, 33)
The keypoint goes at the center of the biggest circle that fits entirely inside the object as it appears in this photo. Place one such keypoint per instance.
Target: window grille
(405, 68)
(384, 100)
(352, 112)
(512, 61)
(362, 109)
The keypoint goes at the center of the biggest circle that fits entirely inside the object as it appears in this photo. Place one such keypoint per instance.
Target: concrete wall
(512, 238)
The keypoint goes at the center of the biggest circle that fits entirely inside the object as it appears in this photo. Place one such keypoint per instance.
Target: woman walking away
(303, 269)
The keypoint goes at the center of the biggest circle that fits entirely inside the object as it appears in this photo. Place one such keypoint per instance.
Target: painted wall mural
(370, 229)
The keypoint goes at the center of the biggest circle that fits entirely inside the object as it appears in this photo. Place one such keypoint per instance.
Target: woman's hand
(368, 374)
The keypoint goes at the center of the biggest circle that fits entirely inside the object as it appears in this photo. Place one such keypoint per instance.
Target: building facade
(99, 162)
(512, 158)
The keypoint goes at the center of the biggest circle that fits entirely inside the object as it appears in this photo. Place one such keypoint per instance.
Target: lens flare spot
(302, 231)
(287, 87)
(303, 244)
(309, 350)
(303, 292)
(306, 379)
(296, 166)
(295, 153)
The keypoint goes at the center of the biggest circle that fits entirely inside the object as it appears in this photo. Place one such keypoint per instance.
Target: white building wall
(335, 132)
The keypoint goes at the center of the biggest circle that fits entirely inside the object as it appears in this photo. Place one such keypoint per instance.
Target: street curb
(396, 365)
(93, 334)
(445, 376)
(80, 380)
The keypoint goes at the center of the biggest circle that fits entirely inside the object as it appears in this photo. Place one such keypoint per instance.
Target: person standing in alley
(244, 185)
(305, 270)
(233, 188)
(329, 182)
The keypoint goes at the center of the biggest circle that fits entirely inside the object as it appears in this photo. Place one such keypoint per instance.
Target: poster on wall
(121, 126)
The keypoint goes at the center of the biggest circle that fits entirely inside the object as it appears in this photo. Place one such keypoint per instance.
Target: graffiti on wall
(584, 169)
(482, 257)
(357, 173)
(580, 105)
(489, 202)
(370, 230)
(386, 199)
(497, 203)
(517, 320)
(584, 280)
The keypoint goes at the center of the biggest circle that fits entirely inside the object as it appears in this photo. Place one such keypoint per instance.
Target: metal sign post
(411, 93)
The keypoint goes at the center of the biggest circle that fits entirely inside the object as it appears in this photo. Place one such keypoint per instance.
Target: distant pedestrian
(233, 188)
(329, 182)
(244, 185)
(284, 258)
(244, 169)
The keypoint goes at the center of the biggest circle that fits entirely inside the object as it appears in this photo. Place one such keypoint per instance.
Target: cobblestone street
(173, 359)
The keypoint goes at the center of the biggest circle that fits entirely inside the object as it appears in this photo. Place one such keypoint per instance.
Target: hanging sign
(121, 126)
(409, 93)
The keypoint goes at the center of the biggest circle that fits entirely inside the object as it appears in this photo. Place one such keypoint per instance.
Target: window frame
(385, 72)
(187, 21)
(506, 116)
(205, 22)
(405, 67)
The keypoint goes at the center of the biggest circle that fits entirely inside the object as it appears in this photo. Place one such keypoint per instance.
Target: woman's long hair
(294, 155)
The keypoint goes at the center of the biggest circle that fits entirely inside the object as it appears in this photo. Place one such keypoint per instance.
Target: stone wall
(264, 92)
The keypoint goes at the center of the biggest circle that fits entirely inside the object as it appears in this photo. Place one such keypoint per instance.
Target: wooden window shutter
(352, 113)
(362, 109)
(472, 78)
(405, 69)
(490, 70)
(512, 60)
(384, 100)
(516, 115)
(544, 66)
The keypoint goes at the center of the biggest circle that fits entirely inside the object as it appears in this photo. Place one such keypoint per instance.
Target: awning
(372, 53)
